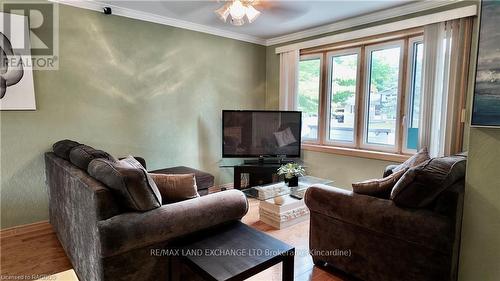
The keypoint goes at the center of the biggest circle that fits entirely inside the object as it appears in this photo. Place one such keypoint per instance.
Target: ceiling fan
(236, 11)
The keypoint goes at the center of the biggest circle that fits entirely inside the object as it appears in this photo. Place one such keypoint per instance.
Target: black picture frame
(486, 99)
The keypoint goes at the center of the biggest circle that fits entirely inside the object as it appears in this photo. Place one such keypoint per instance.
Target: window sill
(370, 154)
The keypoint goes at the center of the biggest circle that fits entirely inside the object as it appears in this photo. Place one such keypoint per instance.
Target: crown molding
(144, 16)
(449, 14)
(336, 26)
(360, 20)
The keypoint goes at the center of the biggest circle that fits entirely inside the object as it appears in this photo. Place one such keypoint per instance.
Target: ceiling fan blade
(282, 8)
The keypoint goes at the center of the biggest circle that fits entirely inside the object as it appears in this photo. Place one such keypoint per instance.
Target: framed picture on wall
(17, 91)
(486, 105)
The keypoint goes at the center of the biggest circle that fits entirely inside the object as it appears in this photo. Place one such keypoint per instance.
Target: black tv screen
(261, 133)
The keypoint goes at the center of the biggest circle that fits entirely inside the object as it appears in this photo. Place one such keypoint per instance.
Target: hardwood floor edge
(25, 228)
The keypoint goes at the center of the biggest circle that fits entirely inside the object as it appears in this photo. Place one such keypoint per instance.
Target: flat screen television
(259, 133)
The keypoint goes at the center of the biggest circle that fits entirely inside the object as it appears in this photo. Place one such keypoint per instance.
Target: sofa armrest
(420, 226)
(134, 230)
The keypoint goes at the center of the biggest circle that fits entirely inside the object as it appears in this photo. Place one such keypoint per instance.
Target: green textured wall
(480, 251)
(128, 87)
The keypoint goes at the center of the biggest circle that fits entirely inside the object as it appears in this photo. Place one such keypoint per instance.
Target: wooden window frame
(397, 153)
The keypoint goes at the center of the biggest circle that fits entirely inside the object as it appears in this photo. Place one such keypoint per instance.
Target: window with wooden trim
(309, 93)
(363, 96)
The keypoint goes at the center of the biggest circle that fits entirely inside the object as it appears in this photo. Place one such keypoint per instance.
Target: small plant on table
(292, 172)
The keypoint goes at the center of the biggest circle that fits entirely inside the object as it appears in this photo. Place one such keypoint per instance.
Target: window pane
(308, 100)
(344, 70)
(383, 96)
(415, 94)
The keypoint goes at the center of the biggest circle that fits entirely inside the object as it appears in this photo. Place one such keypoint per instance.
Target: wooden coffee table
(235, 252)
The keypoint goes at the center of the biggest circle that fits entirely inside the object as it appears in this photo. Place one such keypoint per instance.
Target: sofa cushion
(418, 158)
(420, 185)
(134, 186)
(63, 147)
(175, 188)
(141, 160)
(81, 156)
(378, 187)
(203, 180)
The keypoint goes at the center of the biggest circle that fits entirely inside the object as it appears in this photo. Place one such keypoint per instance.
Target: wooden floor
(34, 252)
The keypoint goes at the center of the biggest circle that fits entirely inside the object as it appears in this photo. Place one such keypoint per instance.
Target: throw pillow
(378, 187)
(421, 185)
(63, 147)
(420, 157)
(82, 155)
(132, 162)
(285, 137)
(175, 188)
(134, 186)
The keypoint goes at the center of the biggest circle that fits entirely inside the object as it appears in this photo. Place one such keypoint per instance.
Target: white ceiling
(278, 18)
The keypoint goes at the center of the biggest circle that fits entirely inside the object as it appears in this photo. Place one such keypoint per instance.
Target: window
(343, 75)
(382, 95)
(415, 60)
(365, 101)
(308, 95)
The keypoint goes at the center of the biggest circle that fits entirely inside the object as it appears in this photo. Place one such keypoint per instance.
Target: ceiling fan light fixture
(237, 22)
(237, 10)
(223, 12)
(251, 13)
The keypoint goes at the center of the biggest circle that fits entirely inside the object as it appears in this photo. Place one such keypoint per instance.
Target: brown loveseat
(375, 240)
(106, 242)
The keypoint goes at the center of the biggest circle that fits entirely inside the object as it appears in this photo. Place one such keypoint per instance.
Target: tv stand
(261, 171)
(263, 161)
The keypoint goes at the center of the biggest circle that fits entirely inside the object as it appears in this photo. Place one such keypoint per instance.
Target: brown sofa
(106, 242)
(373, 239)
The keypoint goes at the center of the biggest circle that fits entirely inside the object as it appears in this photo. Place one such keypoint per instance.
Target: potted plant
(292, 172)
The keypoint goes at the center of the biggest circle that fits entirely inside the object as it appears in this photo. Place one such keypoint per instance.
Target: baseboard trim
(25, 228)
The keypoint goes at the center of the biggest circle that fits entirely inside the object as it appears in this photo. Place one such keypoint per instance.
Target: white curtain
(289, 73)
(446, 52)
